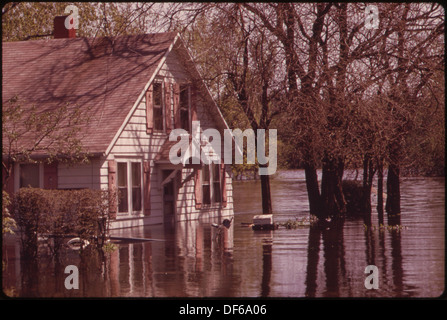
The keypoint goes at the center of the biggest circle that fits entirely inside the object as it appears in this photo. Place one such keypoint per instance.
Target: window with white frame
(211, 187)
(129, 186)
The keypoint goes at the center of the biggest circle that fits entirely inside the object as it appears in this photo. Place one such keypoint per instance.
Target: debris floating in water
(264, 222)
(304, 222)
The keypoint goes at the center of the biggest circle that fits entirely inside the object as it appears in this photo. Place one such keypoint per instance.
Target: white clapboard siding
(173, 68)
(134, 142)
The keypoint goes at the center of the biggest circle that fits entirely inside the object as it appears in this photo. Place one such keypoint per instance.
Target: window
(29, 175)
(136, 186)
(129, 187)
(211, 184)
(184, 107)
(158, 106)
(206, 187)
(216, 182)
(122, 187)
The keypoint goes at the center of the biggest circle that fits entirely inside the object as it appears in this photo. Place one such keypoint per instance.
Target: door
(168, 199)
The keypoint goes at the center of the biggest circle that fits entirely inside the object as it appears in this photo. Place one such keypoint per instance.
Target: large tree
(350, 93)
(327, 48)
(242, 70)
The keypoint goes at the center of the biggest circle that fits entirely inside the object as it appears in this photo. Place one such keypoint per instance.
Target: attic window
(158, 106)
(184, 107)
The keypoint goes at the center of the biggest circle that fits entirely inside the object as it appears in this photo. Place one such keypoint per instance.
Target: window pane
(158, 106)
(206, 173)
(184, 119)
(216, 191)
(184, 99)
(122, 187)
(122, 174)
(158, 118)
(29, 175)
(136, 199)
(206, 194)
(122, 198)
(157, 94)
(184, 107)
(136, 174)
(216, 172)
(136, 186)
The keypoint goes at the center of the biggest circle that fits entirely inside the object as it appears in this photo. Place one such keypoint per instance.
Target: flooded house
(136, 90)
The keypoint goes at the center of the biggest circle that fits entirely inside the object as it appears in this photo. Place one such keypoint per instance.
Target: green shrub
(80, 213)
(8, 223)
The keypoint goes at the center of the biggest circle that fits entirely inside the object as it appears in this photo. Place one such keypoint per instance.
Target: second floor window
(184, 107)
(158, 106)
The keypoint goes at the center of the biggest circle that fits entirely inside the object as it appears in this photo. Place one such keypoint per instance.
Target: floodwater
(195, 259)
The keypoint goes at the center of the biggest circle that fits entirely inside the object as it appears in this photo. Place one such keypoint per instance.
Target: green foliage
(56, 133)
(383, 227)
(57, 213)
(109, 247)
(304, 222)
(8, 223)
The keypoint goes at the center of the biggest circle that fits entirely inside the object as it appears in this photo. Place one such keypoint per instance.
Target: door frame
(162, 168)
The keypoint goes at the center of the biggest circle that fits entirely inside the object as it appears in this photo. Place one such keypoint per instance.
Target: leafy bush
(8, 223)
(58, 213)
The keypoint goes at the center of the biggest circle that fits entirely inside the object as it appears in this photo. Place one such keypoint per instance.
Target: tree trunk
(266, 195)
(313, 191)
(392, 206)
(332, 197)
(380, 190)
(368, 175)
(7, 177)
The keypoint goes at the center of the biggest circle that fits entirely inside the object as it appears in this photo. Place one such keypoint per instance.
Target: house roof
(103, 75)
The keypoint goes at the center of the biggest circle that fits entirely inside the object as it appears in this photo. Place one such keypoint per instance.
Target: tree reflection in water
(194, 260)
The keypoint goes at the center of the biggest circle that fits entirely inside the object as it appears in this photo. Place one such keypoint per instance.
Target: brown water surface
(195, 260)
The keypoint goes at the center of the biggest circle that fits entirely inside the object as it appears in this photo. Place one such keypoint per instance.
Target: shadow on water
(195, 259)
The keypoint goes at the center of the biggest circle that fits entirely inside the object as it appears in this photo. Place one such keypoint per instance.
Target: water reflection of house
(192, 263)
(136, 89)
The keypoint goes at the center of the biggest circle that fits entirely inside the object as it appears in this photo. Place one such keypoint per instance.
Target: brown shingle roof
(103, 75)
